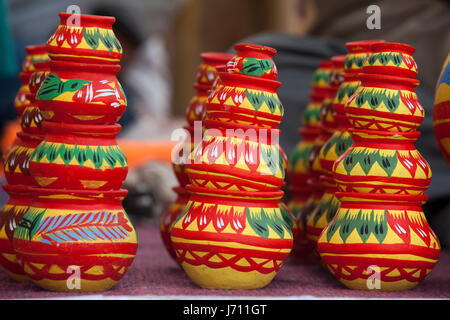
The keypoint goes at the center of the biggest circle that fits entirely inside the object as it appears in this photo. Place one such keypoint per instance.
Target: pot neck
(384, 139)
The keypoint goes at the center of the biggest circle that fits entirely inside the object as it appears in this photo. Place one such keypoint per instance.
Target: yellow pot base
(85, 285)
(361, 284)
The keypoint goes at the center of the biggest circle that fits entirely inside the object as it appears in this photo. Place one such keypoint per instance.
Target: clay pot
(21, 100)
(169, 217)
(311, 115)
(321, 77)
(81, 93)
(31, 119)
(386, 232)
(17, 161)
(79, 157)
(385, 103)
(358, 52)
(246, 100)
(93, 41)
(67, 229)
(391, 58)
(253, 60)
(35, 54)
(205, 78)
(232, 239)
(10, 216)
(382, 162)
(441, 111)
(247, 159)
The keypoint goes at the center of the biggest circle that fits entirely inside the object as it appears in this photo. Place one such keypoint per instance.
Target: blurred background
(162, 41)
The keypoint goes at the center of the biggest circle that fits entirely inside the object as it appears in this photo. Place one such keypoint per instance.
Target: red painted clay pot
(69, 231)
(17, 161)
(92, 41)
(247, 100)
(232, 239)
(10, 216)
(386, 103)
(358, 52)
(169, 217)
(81, 93)
(321, 77)
(391, 58)
(234, 157)
(382, 162)
(21, 101)
(35, 54)
(79, 157)
(253, 60)
(441, 111)
(388, 233)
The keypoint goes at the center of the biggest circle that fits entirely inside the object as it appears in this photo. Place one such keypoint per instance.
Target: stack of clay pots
(380, 238)
(304, 197)
(16, 162)
(234, 232)
(205, 79)
(75, 235)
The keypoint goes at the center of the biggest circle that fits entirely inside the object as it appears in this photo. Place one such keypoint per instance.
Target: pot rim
(216, 124)
(83, 67)
(392, 46)
(36, 49)
(108, 194)
(252, 82)
(255, 47)
(240, 194)
(69, 128)
(216, 58)
(411, 82)
(361, 46)
(88, 19)
(338, 61)
(381, 196)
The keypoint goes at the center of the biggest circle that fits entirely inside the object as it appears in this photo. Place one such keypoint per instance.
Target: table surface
(154, 275)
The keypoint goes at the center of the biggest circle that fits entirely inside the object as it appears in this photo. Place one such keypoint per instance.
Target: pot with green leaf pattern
(384, 237)
(232, 239)
(248, 98)
(81, 93)
(79, 157)
(386, 103)
(84, 38)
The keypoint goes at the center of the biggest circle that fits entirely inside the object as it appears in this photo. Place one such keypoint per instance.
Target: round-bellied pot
(358, 52)
(391, 58)
(79, 157)
(234, 157)
(205, 77)
(386, 103)
(232, 239)
(441, 111)
(31, 119)
(253, 60)
(81, 93)
(84, 38)
(169, 217)
(321, 77)
(72, 240)
(17, 162)
(382, 162)
(311, 115)
(10, 216)
(248, 100)
(379, 241)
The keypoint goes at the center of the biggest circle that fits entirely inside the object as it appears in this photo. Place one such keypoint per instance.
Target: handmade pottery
(37, 53)
(10, 215)
(232, 239)
(386, 103)
(72, 240)
(441, 111)
(311, 115)
(79, 157)
(234, 157)
(17, 161)
(91, 41)
(248, 98)
(21, 101)
(321, 77)
(382, 162)
(379, 236)
(358, 52)
(81, 93)
(391, 58)
(253, 60)
(169, 217)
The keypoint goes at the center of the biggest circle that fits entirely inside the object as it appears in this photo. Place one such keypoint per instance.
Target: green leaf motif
(385, 57)
(92, 37)
(271, 157)
(257, 98)
(256, 67)
(53, 86)
(258, 222)
(29, 223)
(375, 96)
